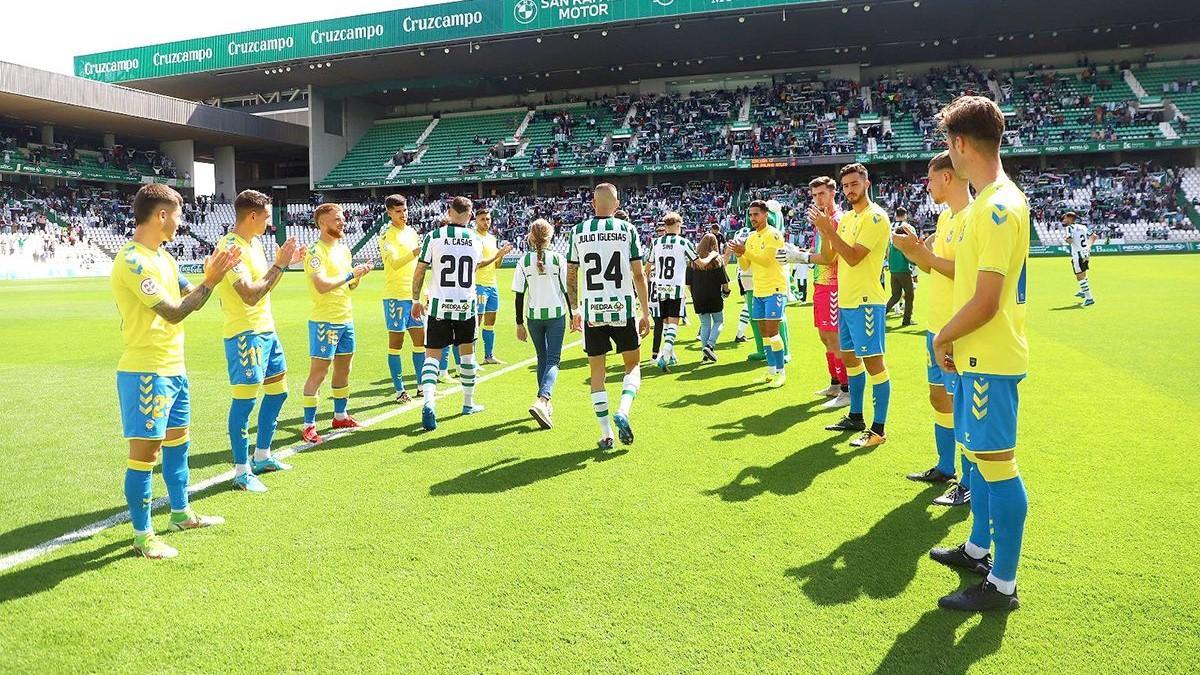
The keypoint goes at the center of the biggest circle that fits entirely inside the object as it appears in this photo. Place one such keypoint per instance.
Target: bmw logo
(525, 11)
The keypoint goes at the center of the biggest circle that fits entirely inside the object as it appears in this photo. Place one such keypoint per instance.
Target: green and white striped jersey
(452, 256)
(605, 249)
(545, 291)
(670, 254)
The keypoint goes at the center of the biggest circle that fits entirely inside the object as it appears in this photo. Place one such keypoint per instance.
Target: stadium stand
(81, 157)
(797, 114)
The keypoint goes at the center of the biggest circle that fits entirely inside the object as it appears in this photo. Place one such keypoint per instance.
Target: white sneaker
(541, 413)
(840, 401)
(831, 390)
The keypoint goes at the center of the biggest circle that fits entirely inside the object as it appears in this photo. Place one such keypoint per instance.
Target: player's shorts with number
(326, 340)
(768, 306)
(825, 307)
(151, 404)
(601, 339)
(985, 411)
(860, 330)
(443, 333)
(933, 372)
(489, 299)
(253, 357)
(397, 314)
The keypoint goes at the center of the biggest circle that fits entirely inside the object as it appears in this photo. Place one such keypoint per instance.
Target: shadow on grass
(1065, 308)
(882, 562)
(713, 397)
(35, 579)
(511, 473)
(773, 423)
(35, 533)
(444, 438)
(792, 474)
(929, 646)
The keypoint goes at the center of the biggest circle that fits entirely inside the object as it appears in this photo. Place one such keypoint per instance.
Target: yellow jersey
(399, 248)
(994, 238)
(769, 275)
(240, 317)
(142, 278)
(941, 287)
(862, 284)
(486, 275)
(332, 262)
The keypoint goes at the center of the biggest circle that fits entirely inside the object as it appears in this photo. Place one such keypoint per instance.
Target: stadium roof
(617, 41)
(42, 97)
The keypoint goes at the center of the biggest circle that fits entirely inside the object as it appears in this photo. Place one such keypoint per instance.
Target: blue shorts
(985, 411)
(397, 314)
(860, 330)
(768, 307)
(151, 404)
(933, 372)
(253, 357)
(489, 299)
(325, 340)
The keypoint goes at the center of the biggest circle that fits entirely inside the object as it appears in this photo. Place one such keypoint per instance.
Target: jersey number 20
(612, 271)
(463, 268)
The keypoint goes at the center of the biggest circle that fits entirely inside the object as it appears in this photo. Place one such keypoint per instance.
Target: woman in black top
(710, 287)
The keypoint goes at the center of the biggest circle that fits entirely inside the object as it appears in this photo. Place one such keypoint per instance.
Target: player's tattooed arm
(573, 284)
(214, 269)
(252, 292)
(419, 279)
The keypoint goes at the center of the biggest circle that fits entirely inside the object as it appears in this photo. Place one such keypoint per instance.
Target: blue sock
(858, 388)
(268, 418)
(418, 360)
(396, 368)
(137, 496)
(239, 424)
(780, 363)
(457, 356)
(445, 359)
(943, 438)
(489, 342)
(175, 474)
(1009, 504)
(981, 515)
(339, 403)
(881, 395)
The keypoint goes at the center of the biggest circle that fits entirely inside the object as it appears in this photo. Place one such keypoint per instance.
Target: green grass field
(735, 535)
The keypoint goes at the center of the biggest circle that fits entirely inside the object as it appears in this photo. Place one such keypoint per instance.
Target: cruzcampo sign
(430, 24)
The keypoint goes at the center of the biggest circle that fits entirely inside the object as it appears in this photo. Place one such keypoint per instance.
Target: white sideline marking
(87, 531)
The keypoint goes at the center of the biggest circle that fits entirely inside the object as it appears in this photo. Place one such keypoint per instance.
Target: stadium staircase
(371, 157)
(1187, 105)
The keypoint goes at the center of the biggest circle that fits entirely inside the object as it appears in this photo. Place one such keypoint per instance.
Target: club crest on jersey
(149, 287)
(314, 262)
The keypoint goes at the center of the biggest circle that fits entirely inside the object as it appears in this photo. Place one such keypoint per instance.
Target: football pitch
(735, 535)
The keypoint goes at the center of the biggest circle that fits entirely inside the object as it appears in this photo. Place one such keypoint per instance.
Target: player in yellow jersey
(400, 246)
(758, 254)
(936, 257)
(983, 345)
(331, 277)
(859, 240)
(253, 353)
(486, 291)
(152, 385)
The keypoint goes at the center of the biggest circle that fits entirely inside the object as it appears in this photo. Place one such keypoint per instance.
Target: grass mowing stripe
(87, 531)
